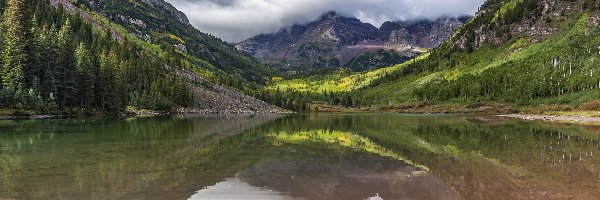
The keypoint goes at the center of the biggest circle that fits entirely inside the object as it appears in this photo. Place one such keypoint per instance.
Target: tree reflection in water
(323, 156)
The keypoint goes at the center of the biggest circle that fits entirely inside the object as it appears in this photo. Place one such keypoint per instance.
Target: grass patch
(340, 81)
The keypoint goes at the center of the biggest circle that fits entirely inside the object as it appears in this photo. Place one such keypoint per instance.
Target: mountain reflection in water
(318, 156)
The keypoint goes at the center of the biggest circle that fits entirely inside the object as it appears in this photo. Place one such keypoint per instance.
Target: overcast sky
(236, 20)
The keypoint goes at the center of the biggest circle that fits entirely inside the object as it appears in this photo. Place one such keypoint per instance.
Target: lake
(316, 156)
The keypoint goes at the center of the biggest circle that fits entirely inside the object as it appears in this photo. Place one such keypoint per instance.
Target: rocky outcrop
(167, 6)
(334, 40)
(212, 99)
(540, 22)
(595, 19)
(420, 33)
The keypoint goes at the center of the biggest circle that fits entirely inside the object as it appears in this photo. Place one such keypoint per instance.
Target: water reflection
(234, 188)
(376, 156)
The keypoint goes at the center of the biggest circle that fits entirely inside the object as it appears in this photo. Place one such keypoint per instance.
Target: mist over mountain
(237, 20)
(335, 39)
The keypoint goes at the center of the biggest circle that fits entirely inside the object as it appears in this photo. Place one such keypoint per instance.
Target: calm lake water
(318, 156)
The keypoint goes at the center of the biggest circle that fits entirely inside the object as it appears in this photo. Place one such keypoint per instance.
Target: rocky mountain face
(525, 52)
(375, 60)
(333, 41)
(497, 22)
(167, 6)
(318, 43)
(420, 33)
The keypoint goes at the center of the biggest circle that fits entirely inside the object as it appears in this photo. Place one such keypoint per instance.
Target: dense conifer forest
(53, 61)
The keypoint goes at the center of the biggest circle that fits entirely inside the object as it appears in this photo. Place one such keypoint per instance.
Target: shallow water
(318, 156)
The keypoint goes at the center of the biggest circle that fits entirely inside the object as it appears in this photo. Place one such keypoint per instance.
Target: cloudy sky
(236, 20)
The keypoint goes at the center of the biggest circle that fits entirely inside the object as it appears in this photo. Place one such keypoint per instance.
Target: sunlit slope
(156, 25)
(340, 81)
(514, 51)
(529, 54)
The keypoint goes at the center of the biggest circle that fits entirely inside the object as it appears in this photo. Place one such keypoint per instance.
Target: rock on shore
(212, 99)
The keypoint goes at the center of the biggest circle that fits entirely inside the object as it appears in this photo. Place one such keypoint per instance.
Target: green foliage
(292, 100)
(338, 81)
(591, 5)
(375, 60)
(13, 53)
(61, 63)
(86, 75)
(516, 10)
(565, 64)
(164, 30)
(562, 68)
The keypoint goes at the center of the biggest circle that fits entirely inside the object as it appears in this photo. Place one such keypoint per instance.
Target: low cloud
(236, 20)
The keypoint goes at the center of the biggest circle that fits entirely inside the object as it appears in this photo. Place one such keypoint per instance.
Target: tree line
(52, 62)
(300, 101)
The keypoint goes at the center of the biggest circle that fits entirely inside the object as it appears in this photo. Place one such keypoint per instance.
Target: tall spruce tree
(65, 71)
(13, 52)
(108, 99)
(35, 50)
(85, 70)
(49, 54)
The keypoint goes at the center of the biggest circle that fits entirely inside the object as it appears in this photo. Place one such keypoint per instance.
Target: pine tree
(34, 98)
(49, 70)
(35, 50)
(13, 53)
(84, 66)
(50, 54)
(108, 99)
(65, 71)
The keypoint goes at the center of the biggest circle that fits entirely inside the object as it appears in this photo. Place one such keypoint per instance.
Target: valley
(514, 56)
(296, 99)
(141, 57)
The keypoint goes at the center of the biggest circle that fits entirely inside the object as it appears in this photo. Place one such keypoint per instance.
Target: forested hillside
(53, 61)
(59, 58)
(159, 23)
(518, 52)
(527, 52)
(113, 56)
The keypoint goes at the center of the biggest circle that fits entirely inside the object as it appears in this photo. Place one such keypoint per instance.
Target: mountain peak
(329, 15)
(333, 40)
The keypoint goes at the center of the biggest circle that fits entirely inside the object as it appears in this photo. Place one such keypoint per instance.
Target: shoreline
(576, 117)
(556, 113)
(137, 114)
(556, 118)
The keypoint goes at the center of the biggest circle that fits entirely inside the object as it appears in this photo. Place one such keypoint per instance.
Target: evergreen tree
(13, 53)
(65, 72)
(108, 98)
(35, 50)
(84, 65)
(49, 58)
(48, 70)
